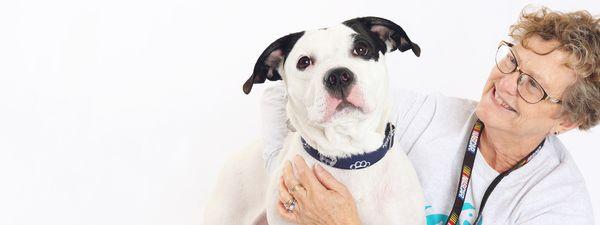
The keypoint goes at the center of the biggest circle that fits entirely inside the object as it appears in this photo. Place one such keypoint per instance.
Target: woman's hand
(321, 200)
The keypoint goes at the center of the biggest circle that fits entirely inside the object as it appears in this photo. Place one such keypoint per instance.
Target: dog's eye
(360, 49)
(303, 62)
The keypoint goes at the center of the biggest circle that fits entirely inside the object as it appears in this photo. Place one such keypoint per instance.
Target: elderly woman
(496, 161)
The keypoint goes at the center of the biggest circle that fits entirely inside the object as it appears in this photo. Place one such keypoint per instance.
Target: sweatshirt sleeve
(412, 114)
(274, 123)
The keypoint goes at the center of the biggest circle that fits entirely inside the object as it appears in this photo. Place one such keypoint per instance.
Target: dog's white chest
(387, 192)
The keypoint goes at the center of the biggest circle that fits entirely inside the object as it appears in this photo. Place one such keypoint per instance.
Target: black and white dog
(338, 104)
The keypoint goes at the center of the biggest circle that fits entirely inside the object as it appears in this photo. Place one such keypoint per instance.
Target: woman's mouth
(500, 102)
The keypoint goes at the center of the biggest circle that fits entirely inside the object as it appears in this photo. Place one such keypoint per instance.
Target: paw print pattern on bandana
(360, 164)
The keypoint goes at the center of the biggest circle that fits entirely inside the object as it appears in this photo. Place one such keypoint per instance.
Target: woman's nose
(508, 83)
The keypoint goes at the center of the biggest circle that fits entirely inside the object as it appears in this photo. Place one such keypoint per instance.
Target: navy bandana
(355, 162)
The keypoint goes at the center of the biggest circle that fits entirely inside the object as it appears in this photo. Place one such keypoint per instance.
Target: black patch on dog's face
(379, 31)
(374, 46)
(364, 34)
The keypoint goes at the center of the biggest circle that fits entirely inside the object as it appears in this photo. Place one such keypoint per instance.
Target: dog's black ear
(268, 62)
(390, 33)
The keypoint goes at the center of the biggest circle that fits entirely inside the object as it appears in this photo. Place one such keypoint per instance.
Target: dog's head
(336, 81)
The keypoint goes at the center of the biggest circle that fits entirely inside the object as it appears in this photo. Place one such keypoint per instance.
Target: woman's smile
(499, 101)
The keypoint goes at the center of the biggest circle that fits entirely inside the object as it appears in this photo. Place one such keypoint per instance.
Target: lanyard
(467, 168)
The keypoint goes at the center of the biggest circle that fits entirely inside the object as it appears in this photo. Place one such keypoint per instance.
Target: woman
(500, 154)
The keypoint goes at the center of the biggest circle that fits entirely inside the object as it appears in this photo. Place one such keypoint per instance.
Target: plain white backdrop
(123, 111)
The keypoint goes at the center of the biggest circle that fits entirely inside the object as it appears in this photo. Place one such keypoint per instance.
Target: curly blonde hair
(579, 35)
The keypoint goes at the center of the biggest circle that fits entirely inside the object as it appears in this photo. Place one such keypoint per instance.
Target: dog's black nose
(338, 79)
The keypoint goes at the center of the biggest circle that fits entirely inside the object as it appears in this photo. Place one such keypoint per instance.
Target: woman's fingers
(328, 180)
(315, 203)
(290, 182)
(284, 196)
(306, 175)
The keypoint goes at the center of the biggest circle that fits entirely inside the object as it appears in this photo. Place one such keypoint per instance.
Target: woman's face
(502, 108)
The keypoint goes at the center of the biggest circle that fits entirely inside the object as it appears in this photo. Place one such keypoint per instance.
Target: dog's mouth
(344, 104)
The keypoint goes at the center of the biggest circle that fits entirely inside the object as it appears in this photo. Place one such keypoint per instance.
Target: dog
(338, 104)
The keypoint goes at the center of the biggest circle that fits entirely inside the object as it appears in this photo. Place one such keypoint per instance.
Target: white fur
(350, 132)
(385, 193)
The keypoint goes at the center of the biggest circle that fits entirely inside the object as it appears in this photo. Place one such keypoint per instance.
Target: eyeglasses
(528, 88)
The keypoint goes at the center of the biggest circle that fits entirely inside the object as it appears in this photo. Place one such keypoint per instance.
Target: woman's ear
(565, 124)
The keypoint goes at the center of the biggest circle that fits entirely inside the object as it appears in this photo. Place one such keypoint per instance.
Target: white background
(123, 111)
